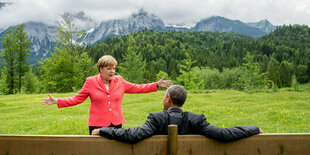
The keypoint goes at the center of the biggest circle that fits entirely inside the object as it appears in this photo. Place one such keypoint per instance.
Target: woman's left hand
(164, 83)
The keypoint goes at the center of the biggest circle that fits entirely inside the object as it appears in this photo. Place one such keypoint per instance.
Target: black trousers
(91, 128)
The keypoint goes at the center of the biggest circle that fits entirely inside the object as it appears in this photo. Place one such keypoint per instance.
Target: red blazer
(106, 105)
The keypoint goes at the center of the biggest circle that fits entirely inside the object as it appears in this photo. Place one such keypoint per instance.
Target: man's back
(188, 123)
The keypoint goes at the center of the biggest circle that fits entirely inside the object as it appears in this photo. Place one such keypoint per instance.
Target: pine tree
(301, 73)
(66, 70)
(9, 50)
(66, 36)
(272, 70)
(31, 83)
(23, 44)
(173, 69)
(188, 77)
(133, 67)
(250, 78)
(15, 51)
(284, 75)
(3, 84)
(86, 67)
(155, 66)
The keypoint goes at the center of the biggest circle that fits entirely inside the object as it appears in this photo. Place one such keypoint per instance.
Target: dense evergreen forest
(198, 60)
(284, 52)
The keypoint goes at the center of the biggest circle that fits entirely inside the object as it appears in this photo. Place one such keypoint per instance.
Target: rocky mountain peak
(141, 13)
(136, 22)
(79, 20)
(263, 25)
(221, 24)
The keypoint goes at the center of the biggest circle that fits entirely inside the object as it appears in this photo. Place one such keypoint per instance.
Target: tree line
(198, 60)
(211, 60)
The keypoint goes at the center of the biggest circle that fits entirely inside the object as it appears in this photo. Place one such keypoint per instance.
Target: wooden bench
(274, 144)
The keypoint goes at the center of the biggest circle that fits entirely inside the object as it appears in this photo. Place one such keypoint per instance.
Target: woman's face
(107, 73)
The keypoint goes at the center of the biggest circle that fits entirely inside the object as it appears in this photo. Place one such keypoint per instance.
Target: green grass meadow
(280, 112)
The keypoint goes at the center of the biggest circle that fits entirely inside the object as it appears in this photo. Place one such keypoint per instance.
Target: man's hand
(164, 83)
(49, 101)
(95, 132)
(260, 131)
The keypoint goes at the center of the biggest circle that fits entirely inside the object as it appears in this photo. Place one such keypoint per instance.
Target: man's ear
(169, 99)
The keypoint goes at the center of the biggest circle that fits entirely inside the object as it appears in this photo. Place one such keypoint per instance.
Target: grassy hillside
(280, 112)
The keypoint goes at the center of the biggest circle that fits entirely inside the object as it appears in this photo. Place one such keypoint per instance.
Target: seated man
(188, 123)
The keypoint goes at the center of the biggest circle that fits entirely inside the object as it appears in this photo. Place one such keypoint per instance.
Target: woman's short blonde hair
(106, 60)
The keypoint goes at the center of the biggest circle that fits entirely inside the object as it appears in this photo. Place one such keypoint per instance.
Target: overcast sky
(278, 12)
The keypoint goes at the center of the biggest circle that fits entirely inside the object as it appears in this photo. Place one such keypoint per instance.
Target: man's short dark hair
(178, 94)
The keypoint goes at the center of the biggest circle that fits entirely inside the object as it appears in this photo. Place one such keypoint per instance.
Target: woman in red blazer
(106, 93)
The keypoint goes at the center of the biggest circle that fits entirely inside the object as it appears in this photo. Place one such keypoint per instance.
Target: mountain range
(42, 35)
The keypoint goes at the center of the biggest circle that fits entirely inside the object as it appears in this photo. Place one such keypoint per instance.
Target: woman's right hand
(49, 101)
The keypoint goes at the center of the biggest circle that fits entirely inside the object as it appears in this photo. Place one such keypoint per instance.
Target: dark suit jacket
(188, 123)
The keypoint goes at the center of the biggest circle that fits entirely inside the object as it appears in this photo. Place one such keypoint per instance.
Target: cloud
(171, 11)
(277, 11)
